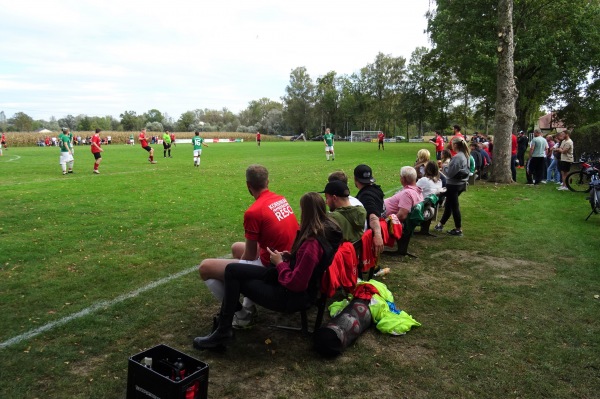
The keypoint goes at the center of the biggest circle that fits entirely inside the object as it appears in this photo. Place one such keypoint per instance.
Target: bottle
(382, 272)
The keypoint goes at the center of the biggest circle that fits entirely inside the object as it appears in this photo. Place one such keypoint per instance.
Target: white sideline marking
(94, 307)
(16, 158)
(395, 190)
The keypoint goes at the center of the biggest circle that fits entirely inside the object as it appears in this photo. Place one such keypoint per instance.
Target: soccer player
(167, 143)
(439, 144)
(173, 139)
(380, 137)
(66, 154)
(3, 140)
(96, 150)
(328, 140)
(144, 143)
(258, 139)
(198, 142)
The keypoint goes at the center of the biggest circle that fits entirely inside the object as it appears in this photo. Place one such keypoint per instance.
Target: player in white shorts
(198, 142)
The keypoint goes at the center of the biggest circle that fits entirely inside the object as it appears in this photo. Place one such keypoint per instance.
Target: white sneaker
(245, 318)
(563, 188)
(96, 171)
(543, 182)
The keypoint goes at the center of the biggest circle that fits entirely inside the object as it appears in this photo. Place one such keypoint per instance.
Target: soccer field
(96, 268)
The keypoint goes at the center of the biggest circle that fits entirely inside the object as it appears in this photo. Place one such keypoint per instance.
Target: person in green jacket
(351, 219)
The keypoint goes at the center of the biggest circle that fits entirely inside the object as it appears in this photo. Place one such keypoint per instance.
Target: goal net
(363, 135)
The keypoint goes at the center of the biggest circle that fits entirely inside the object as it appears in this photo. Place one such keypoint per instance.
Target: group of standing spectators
(550, 157)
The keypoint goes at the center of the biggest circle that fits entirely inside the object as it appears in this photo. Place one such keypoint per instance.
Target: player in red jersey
(97, 150)
(258, 139)
(144, 142)
(268, 223)
(380, 137)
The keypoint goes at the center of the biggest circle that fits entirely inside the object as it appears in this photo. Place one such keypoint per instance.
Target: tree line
(556, 67)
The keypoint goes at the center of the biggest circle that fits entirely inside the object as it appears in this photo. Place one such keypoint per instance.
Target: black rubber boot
(218, 338)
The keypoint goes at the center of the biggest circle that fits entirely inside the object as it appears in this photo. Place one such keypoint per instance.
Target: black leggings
(260, 285)
(453, 191)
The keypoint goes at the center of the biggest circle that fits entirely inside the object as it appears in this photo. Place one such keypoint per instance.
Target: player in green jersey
(198, 142)
(328, 140)
(66, 153)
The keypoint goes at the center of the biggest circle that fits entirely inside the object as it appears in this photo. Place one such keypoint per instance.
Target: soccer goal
(363, 135)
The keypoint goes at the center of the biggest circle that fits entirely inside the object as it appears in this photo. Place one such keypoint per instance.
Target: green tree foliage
(556, 45)
(3, 122)
(68, 121)
(298, 100)
(383, 81)
(130, 121)
(263, 115)
(22, 122)
(154, 115)
(417, 101)
(187, 122)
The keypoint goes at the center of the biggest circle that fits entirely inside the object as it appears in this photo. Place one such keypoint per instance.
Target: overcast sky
(103, 57)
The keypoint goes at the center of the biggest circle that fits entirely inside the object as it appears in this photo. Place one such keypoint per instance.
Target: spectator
(402, 202)
(537, 156)
(522, 142)
(553, 173)
(341, 176)
(422, 158)
(478, 158)
(431, 182)
(371, 196)
(457, 174)
(294, 284)
(268, 223)
(566, 157)
(513, 156)
(350, 218)
(439, 144)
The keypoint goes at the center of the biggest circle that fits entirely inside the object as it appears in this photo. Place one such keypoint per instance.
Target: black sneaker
(455, 232)
(439, 227)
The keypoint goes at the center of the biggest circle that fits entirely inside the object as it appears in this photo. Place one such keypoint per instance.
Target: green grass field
(509, 310)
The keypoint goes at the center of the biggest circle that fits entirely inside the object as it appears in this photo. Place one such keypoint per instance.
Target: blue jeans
(553, 174)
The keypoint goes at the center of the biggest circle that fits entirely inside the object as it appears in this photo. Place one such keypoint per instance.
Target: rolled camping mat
(343, 329)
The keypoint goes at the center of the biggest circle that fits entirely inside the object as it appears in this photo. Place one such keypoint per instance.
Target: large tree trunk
(506, 95)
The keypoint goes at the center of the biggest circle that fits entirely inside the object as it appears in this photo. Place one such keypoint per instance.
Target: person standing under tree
(380, 137)
(258, 139)
(537, 156)
(166, 144)
(522, 142)
(97, 150)
(439, 145)
(198, 142)
(328, 140)
(144, 143)
(66, 154)
(566, 157)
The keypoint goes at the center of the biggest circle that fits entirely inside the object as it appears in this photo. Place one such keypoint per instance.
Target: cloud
(178, 55)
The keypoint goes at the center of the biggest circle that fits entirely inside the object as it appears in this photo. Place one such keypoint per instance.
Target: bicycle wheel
(578, 181)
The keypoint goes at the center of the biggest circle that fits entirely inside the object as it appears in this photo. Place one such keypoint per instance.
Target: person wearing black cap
(371, 196)
(350, 218)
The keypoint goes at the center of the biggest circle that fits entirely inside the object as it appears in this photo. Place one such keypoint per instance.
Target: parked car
(400, 138)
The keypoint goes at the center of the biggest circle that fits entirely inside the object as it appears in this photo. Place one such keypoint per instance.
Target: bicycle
(594, 197)
(579, 180)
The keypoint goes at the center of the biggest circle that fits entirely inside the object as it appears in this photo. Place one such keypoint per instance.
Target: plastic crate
(166, 379)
